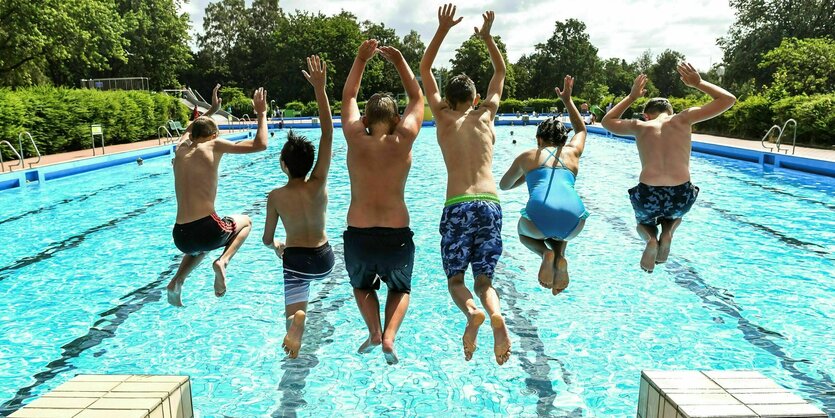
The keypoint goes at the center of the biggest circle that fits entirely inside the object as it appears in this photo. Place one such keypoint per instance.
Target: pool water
(749, 285)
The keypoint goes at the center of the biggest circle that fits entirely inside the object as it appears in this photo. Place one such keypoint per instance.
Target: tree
(412, 50)
(760, 27)
(802, 66)
(664, 75)
(618, 76)
(473, 59)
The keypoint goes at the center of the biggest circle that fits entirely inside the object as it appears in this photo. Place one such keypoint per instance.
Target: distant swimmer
(471, 222)
(301, 205)
(139, 161)
(664, 194)
(199, 229)
(554, 213)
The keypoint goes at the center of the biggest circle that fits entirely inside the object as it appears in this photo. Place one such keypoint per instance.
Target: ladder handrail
(779, 132)
(246, 117)
(159, 135)
(794, 137)
(93, 136)
(34, 145)
(19, 158)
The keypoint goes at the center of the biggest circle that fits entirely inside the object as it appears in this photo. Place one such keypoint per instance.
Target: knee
(483, 283)
(455, 281)
(246, 220)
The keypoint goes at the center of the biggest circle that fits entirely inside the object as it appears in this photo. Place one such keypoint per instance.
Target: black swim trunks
(204, 234)
(304, 265)
(380, 254)
(655, 203)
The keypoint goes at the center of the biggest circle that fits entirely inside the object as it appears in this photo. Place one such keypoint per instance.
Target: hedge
(59, 119)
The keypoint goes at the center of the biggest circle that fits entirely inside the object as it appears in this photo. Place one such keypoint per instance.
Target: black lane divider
(75, 240)
(785, 193)
(318, 332)
(756, 335)
(538, 369)
(102, 329)
(78, 198)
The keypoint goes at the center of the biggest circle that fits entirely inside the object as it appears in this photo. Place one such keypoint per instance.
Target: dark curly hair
(297, 155)
(553, 131)
(459, 89)
(658, 105)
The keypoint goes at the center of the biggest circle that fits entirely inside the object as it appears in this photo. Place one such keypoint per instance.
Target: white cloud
(620, 28)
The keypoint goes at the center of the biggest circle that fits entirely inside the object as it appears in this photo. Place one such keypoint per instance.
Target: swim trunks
(303, 265)
(471, 234)
(655, 203)
(204, 234)
(380, 254)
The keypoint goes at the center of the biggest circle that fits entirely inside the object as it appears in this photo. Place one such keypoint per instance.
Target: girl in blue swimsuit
(554, 213)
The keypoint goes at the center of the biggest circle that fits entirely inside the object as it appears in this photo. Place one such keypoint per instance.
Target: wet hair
(203, 127)
(459, 89)
(658, 105)
(297, 155)
(381, 107)
(553, 132)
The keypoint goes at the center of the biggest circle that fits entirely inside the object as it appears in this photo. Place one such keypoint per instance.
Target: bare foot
(648, 258)
(175, 290)
(293, 339)
(561, 277)
(471, 333)
(502, 340)
(389, 353)
(664, 243)
(220, 277)
(369, 344)
(546, 269)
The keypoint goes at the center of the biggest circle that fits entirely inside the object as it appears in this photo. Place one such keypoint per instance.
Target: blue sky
(619, 28)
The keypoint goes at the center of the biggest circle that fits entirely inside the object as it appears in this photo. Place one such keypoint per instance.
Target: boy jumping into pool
(471, 223)
(301, 204)
(199, 229)
(664, 194)
(378, 241)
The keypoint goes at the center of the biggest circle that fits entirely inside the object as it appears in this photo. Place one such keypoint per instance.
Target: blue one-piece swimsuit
(554, 206)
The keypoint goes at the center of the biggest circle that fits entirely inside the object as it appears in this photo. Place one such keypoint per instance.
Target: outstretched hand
(317, 72)
(689, 75)
(638, 85)
(216, 100)
(567, 87)
(484, 32)
(367, 50)
(446, 16)
(259, 101)
(391, 54)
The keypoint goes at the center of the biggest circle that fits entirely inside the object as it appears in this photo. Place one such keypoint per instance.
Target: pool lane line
(538, 381)
(101, 330)
(688, 278)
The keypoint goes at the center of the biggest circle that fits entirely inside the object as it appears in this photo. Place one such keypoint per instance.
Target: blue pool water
(749, 285)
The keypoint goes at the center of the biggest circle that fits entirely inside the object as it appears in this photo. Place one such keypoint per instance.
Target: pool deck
(813, 153)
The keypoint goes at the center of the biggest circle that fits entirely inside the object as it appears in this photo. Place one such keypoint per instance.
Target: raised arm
(259, 104)
(722, 99)
(494, 90)
(612, 120)
(351, 123)
(446, 20)
(216, 102)
(412, 119)
(578, 142)
(317, 77)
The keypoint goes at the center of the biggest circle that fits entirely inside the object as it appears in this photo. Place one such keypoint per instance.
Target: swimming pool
(748, 286)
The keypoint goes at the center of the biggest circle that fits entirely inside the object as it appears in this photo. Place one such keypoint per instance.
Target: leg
(296, 315)
(531, 237)
(490, 300)
(475, 317)
(175, 286)
(649, 233)
(242, 227)
(668, 227)
(397, 304)
(560, 266)
(369, 307)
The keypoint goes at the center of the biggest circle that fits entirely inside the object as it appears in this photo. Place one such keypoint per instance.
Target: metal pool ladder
(34, 146)
(19, 158)
(780, 132)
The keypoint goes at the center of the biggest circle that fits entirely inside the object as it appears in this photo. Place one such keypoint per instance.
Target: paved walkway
(818, 154)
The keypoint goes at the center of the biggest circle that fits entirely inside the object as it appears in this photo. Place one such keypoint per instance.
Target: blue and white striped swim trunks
(302, 266)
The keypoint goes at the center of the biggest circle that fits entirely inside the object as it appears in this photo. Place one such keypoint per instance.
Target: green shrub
(544, 105)
(511, 106)
(311, 109)
(815, 116)
(295, 106)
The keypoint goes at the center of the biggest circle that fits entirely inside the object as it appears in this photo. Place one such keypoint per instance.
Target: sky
(618, 28)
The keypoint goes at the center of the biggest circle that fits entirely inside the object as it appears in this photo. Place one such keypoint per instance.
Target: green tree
(473, 59)
(664, 75)
(568, 51)
(802, 67)
(412, 49)
(618, 76)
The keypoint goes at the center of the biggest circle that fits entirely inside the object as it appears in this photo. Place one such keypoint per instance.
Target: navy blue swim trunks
(204, 234)
(471, 234)
(379, 254)
(653, 204)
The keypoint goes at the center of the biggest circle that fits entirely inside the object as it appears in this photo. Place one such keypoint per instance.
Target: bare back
(466, 141)
(302, 207)
(664, 148)
(195, 179)
(378, 168)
